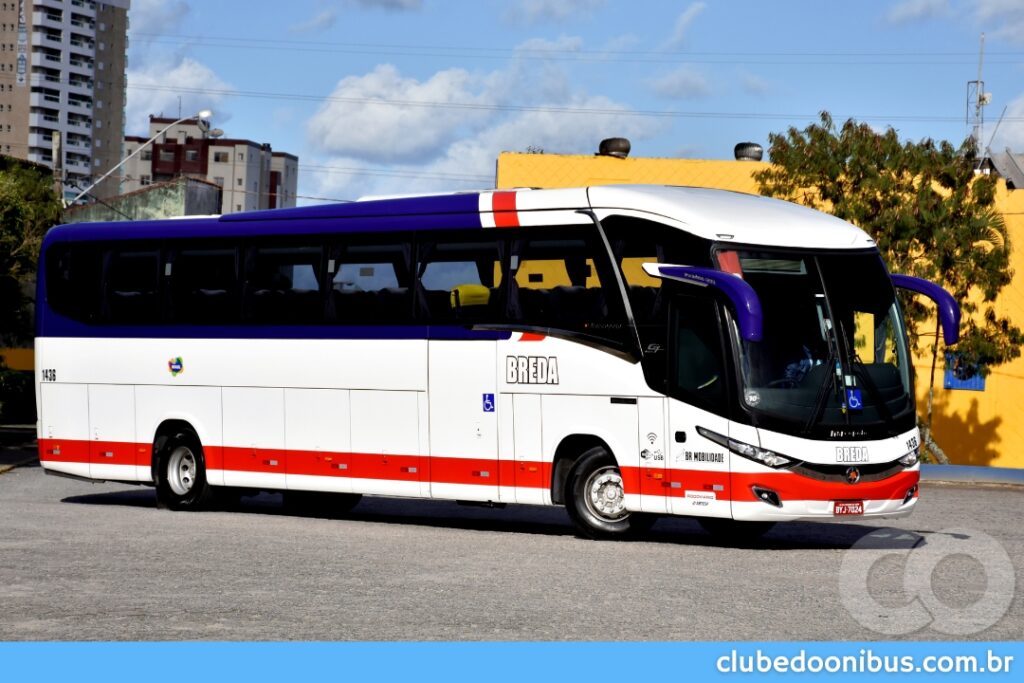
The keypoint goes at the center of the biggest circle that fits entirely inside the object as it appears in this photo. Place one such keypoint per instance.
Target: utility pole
(977, 98)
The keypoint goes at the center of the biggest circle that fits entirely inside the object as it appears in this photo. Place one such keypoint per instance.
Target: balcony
(36, 120)
(40, 140)
(79, 125)
(44, 100)
(81, 105)
(80, 86)
(81, 66)
(47, 19)
(85, 8)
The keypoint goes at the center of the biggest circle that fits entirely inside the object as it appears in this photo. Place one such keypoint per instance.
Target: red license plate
(847, 507)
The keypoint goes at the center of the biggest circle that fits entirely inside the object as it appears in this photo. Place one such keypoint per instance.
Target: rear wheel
(181, 473)
(595, 499)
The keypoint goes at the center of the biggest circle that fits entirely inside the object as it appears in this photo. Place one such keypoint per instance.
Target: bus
(626, 352)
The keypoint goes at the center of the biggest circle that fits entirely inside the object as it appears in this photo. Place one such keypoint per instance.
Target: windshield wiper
(869, 384)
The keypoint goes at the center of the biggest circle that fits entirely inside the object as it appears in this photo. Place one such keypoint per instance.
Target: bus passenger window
(204, 286)
(131, 287)
(370, 283)
(283, 285)
(461, 280)
(73, 276)
(561, 280)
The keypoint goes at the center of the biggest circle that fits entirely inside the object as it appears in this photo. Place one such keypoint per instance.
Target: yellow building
(974, 427)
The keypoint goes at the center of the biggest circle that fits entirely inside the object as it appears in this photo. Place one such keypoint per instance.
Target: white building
(62, 69)
(251, 174)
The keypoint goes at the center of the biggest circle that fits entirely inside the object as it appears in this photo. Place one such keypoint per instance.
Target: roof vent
(748, 151)
(614, 147)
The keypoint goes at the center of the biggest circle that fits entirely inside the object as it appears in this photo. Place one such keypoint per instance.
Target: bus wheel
(731, 530)
(595, 499)
(181, 474)
(320, 504)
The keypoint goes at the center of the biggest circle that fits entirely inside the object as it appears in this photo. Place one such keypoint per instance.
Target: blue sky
(396, 96)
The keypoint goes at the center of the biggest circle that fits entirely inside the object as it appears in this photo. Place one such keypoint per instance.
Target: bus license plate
(847, 507)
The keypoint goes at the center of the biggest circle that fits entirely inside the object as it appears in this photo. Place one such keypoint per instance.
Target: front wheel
(595, 499)
(181, 473)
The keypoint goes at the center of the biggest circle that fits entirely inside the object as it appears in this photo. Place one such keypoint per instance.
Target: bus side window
(73, 277)
(560, 278)
(204, 285)
(131, 286)
(282, 285)
(371, 281)
(461, 279)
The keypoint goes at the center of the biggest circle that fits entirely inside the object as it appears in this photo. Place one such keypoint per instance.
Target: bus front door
(463, 420)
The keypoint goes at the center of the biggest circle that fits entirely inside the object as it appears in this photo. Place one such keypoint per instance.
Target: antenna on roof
(978, 98)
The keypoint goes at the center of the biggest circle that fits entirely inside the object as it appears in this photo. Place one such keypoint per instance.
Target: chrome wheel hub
(181, 470)
(605, 496)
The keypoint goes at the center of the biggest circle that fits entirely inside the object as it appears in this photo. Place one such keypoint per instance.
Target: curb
(972, 474)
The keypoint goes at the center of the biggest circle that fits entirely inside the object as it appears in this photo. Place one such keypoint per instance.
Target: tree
(28, 208)
(930, 214)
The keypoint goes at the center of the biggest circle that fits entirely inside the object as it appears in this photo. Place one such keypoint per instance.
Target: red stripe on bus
(651, 481)
(504, 207)
(532, 336)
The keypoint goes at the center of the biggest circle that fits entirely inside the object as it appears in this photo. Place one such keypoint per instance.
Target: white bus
(625, 351)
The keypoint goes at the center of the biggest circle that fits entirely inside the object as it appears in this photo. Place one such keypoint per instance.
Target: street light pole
(204, 114)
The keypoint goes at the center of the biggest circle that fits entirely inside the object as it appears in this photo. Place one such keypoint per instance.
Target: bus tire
(732, 530)
(320, 504)
(181, 474)
(594, 499)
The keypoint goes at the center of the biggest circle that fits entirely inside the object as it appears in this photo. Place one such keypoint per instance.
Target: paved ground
(100, 562)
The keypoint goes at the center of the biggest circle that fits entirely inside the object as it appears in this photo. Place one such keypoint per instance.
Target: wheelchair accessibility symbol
(488, 403)
(854, 401)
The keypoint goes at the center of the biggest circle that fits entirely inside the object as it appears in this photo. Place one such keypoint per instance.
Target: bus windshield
(833, 360)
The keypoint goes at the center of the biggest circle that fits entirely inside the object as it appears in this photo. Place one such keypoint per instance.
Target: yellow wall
(17, 359)
(973, 427)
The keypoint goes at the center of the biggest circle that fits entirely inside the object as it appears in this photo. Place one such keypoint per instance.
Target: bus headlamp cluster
(910, 459)
(760, 455)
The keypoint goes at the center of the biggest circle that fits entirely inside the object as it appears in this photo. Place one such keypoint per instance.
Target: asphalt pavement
(84, 561)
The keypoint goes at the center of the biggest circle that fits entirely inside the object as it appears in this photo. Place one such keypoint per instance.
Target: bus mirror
(749, 318)
(949, 310)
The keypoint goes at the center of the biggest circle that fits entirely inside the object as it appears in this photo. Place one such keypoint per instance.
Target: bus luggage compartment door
(463, 420)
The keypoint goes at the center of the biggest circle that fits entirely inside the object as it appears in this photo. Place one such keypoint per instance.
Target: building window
(167, 155)
(220, 157)
(240, 180)
(191, 155)
(147, 155)
(238, 207)
(241, 156)
(145, 180)
(219, 181)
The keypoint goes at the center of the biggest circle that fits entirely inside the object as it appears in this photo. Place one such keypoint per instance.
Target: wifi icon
(652, 437)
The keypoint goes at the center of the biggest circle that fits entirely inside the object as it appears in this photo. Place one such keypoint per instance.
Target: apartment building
(62, 69)
(252, 176)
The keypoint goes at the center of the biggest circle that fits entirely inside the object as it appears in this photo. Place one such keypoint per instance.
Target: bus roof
(713, 214)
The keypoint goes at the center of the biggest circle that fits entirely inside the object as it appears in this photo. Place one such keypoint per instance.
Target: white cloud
(1001, 18)
(684, 82)
(917, 10)
(350, 123)
(683, 24)
(156, 87)
(753, 84)
(539, 11)
(322, 21)
(156, 16)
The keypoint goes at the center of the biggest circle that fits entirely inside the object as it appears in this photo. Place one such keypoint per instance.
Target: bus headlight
(761, 455)
(910, 459)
